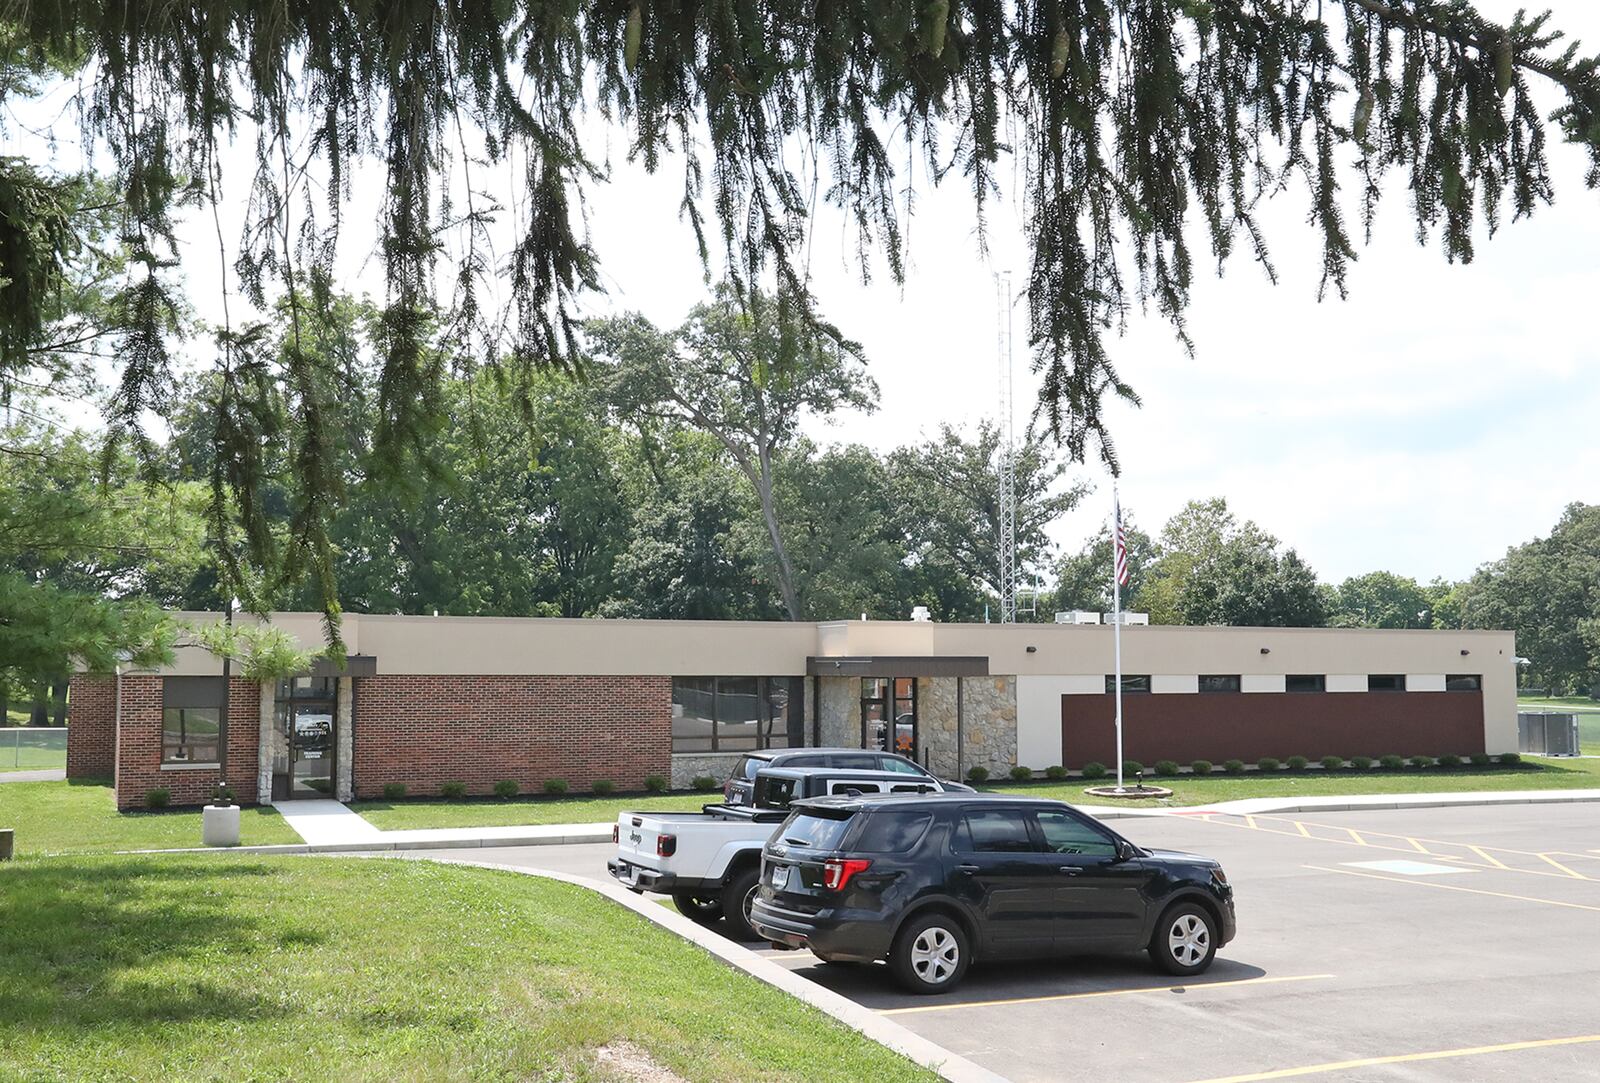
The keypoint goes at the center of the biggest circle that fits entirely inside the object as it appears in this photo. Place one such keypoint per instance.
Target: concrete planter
(220, 825)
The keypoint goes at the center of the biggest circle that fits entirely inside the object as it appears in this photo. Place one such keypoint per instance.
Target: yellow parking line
(1363, 842)
(1487, 857)
(1421, 849)
(1302, 828)
(1563, 868)
(1192, 986)
(1402, 1058)
(1452, 887)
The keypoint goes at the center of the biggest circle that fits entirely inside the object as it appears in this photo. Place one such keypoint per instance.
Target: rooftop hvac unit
(1128, 618)
(1078, 616)
(920, 613)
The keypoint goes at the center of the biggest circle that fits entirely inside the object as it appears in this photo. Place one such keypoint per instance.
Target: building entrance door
(889, 715)
(307, 723)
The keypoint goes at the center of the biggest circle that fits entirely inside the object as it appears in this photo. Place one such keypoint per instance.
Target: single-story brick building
(428, 700)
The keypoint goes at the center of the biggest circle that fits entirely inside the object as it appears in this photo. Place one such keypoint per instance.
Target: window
(1066, 834)
(191, 719)
(854, 762)
(1130, 683)
(736, 714)
(889, 714)
(1305, 682)
(900, 766)
(1463, 682)
(892, 832)
(854, 786)
(308, 688)
(994, 831)
(1386, 682)
(814, 832)
(1216, 683)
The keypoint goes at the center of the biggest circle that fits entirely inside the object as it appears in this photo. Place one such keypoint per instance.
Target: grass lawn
(520, 811)
(80, 816)
(238, 967)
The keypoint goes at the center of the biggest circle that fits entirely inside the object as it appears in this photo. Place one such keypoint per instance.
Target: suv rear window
(775, 791)
(815, 832)
(747, 767)
(891, 832)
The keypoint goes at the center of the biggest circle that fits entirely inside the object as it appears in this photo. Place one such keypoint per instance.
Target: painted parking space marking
(1452, 887)
(1401, 1058)
(1409, 868)
(1186, 988)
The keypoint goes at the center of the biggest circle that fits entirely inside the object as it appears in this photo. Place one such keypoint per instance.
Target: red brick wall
(427, 730)
(139, 750)
(1249, 725)
(92, 726)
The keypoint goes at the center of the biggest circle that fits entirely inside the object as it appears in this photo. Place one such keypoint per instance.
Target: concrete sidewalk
(58, 774)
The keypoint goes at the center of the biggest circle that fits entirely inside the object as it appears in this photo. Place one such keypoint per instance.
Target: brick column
(92, 726)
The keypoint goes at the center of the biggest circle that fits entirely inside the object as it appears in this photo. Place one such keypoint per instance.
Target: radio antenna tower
(1008, 465)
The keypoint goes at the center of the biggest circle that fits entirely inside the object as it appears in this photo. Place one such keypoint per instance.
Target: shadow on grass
(90, 944)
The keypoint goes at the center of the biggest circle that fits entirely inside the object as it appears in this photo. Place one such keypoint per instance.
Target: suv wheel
(702, 908)
(1185, 940)
(737, 896)
(930, 954)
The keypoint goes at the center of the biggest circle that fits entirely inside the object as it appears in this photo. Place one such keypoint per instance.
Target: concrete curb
(949, 1066)
(380, 845)
(1255, 806)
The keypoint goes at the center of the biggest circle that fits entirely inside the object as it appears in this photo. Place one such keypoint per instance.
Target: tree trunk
(58, 695)
(40, 715)
(769, 515)
(5, 701)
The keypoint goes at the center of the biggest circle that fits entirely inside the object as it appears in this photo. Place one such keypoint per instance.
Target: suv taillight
(838, 872)
(616, 832)
(666, 845)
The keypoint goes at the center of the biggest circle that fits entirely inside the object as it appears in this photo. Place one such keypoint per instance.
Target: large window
(191, 719)
(737, 714)
(1306, 682)
(1214, 682)
(1130, 682)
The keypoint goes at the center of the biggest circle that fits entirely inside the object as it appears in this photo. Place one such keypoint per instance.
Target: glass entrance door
(307, 712)
(889, 715)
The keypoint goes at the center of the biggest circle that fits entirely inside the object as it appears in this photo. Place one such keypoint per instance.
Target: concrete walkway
(57, 775)
(327, 823)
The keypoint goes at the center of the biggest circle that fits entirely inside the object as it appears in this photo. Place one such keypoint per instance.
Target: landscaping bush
(655, 783)
(394, 791)
(977, 774)
(1202, 767)
(602, 786)
(1093, 770)
(1392, 763)
(1509, 758)
(1234, 767)
(703, 782)
(1449, 760)
(160, 797)
(1421, 761)
(1296, 763)
(1267, 763)
(1020, 773)
(1056, 773)
(1361, 763)
(1131, 768)
(558, 786)
(1332, 763)
(453, 790)
(1166, 768)
(1481, 759)
(507, 787)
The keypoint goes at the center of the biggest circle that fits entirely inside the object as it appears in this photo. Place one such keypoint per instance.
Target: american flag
(1121, 545)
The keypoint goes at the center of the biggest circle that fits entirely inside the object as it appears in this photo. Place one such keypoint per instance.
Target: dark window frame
(890, 702)
(1398, 685)
(1236, 679)
(1111, 683)
(1320, 683)
(182, 695)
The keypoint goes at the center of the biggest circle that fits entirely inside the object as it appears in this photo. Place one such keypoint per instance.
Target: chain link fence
(1548, 733)
(26, 748)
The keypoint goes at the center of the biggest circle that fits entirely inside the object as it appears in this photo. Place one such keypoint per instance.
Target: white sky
(1438, 416)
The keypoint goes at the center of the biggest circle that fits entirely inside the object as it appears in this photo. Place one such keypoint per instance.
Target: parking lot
(1438, 944)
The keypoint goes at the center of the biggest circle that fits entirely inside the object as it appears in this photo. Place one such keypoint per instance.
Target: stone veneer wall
(841, 712)
(989, 724)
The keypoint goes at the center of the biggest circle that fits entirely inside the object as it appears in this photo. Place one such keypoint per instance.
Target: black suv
(931, 883)
(736, 790)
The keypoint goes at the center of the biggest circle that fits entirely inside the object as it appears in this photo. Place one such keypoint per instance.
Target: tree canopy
(1135, 127)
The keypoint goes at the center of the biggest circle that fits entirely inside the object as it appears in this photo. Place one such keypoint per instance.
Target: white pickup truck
(710, 861)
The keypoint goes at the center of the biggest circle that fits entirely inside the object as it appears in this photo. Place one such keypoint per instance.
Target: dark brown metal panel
(1249, 725)
(355, 665)
(192, 692)
(885, 665)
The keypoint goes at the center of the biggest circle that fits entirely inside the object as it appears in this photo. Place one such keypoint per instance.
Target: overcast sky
(1438, 416)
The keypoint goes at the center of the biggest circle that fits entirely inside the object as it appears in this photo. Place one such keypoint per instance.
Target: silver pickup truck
(710, 861)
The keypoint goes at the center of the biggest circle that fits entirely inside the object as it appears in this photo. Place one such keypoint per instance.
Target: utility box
(1078, 616)
(1547, 733)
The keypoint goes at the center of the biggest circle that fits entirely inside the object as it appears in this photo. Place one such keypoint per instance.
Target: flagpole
(1116, 619)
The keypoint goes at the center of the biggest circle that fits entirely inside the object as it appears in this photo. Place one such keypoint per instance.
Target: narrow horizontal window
(1305, 682)
(1130, 682)
(1386, 682)
(1219, 682)
(1463, 682)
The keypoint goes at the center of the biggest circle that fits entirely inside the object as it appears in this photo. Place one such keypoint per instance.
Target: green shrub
(557, 786)
(1296, 763)
(602, 786)
(1361, 763)
(1131, 768)
(1332, 763)
(1166, 768)
(977, 773)
(703, 782)
(1056, 773)
(453, 790)
(1392, 763)
(1093, 770)
(1202, 767)
(507, 787)
(1267, 763)
(655, 783)
(1481, 759)
(394, 791)
(1509, 758)
(1421, 761)
(1449, 760)
(160, 797)
(1234, 767)
(1020, 773)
